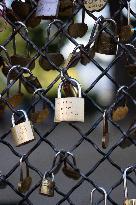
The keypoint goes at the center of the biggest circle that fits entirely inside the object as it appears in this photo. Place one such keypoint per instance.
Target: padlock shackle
(95, 27)
(78, 87)
(5, 51)
(50, 25)
(39, 89)
(22, 25)
(21, 168)
(52, 176)
(15, 67)
(13, 118)
(113, 23)
(105, 195)
(125, 180)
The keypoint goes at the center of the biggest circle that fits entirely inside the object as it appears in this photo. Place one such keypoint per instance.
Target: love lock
(24, 183)
(22, 133)
(105, 43)
(69, 108)
(47, 186)
(127, 200)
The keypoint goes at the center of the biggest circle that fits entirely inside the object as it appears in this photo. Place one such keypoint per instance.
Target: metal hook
(22, 24)
(105, 195)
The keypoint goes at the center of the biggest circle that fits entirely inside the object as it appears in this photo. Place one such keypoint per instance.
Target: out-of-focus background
(64, 136)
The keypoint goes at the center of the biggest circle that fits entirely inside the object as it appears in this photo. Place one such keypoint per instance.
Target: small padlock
(38, 116)
(66, 8)
(22, 133)
(15, 99)
(69, 108)
(24, 183)
(105, 43)
(102, 190)
(96, 5)
(76, 30)
(127, 31)
(127, 201)
(71, 172)
(47, 186)
(56, 58)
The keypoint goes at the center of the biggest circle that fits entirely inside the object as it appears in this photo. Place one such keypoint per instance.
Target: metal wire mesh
(84, 136)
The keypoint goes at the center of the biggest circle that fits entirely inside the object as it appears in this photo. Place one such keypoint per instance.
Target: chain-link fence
(94, 158)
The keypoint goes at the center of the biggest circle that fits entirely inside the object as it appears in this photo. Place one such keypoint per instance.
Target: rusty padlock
(127, 201)
(22, 133)
(56, 58)
(69, 108)
(66, 8)
(95, 5)
(69, 171)
(38, 116)
(25, 182)
(127, 31)
(104, 192)
(48, 185)
(105, 43)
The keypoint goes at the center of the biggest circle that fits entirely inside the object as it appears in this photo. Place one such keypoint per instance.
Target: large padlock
(47, 186)
(105, 43)
(127, 201)
(23, 132)
(69, 108)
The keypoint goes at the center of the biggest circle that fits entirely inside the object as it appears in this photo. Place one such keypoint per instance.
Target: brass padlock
(25, 183)
(52, 59)
(104, 192)
(22, 133)
(127, 31)
(47, 186)
(127, 201)
(38, 116)
(69, 108)
(69, 171)
(105, 43)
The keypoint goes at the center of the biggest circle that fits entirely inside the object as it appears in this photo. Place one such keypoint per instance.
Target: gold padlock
(127, 200)
(24, 183)
(22, 133)
(47, 186)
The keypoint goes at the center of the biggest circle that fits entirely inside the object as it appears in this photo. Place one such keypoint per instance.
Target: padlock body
(47, 188)
(105, 44)
(69, 109)
(22, 133)
(130, 202)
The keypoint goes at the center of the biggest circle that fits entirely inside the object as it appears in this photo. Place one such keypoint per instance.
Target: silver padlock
(23, 132)
(127, 200)
(69, 108)
(47, 186)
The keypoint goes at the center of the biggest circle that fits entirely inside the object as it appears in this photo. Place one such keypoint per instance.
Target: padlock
(25, 183)
(56, 58)
(127, 201)
(17, 98)
(66, 8)
(102, 190)
(105, 43)
(47, 9)
(47, 186)
(38, 116)
(69, 171)
(76, 30)
(22, 133)
(96, 5)
(69, 108)
(127, 31)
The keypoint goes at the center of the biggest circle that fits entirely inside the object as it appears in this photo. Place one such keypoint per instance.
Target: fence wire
(18, 28)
